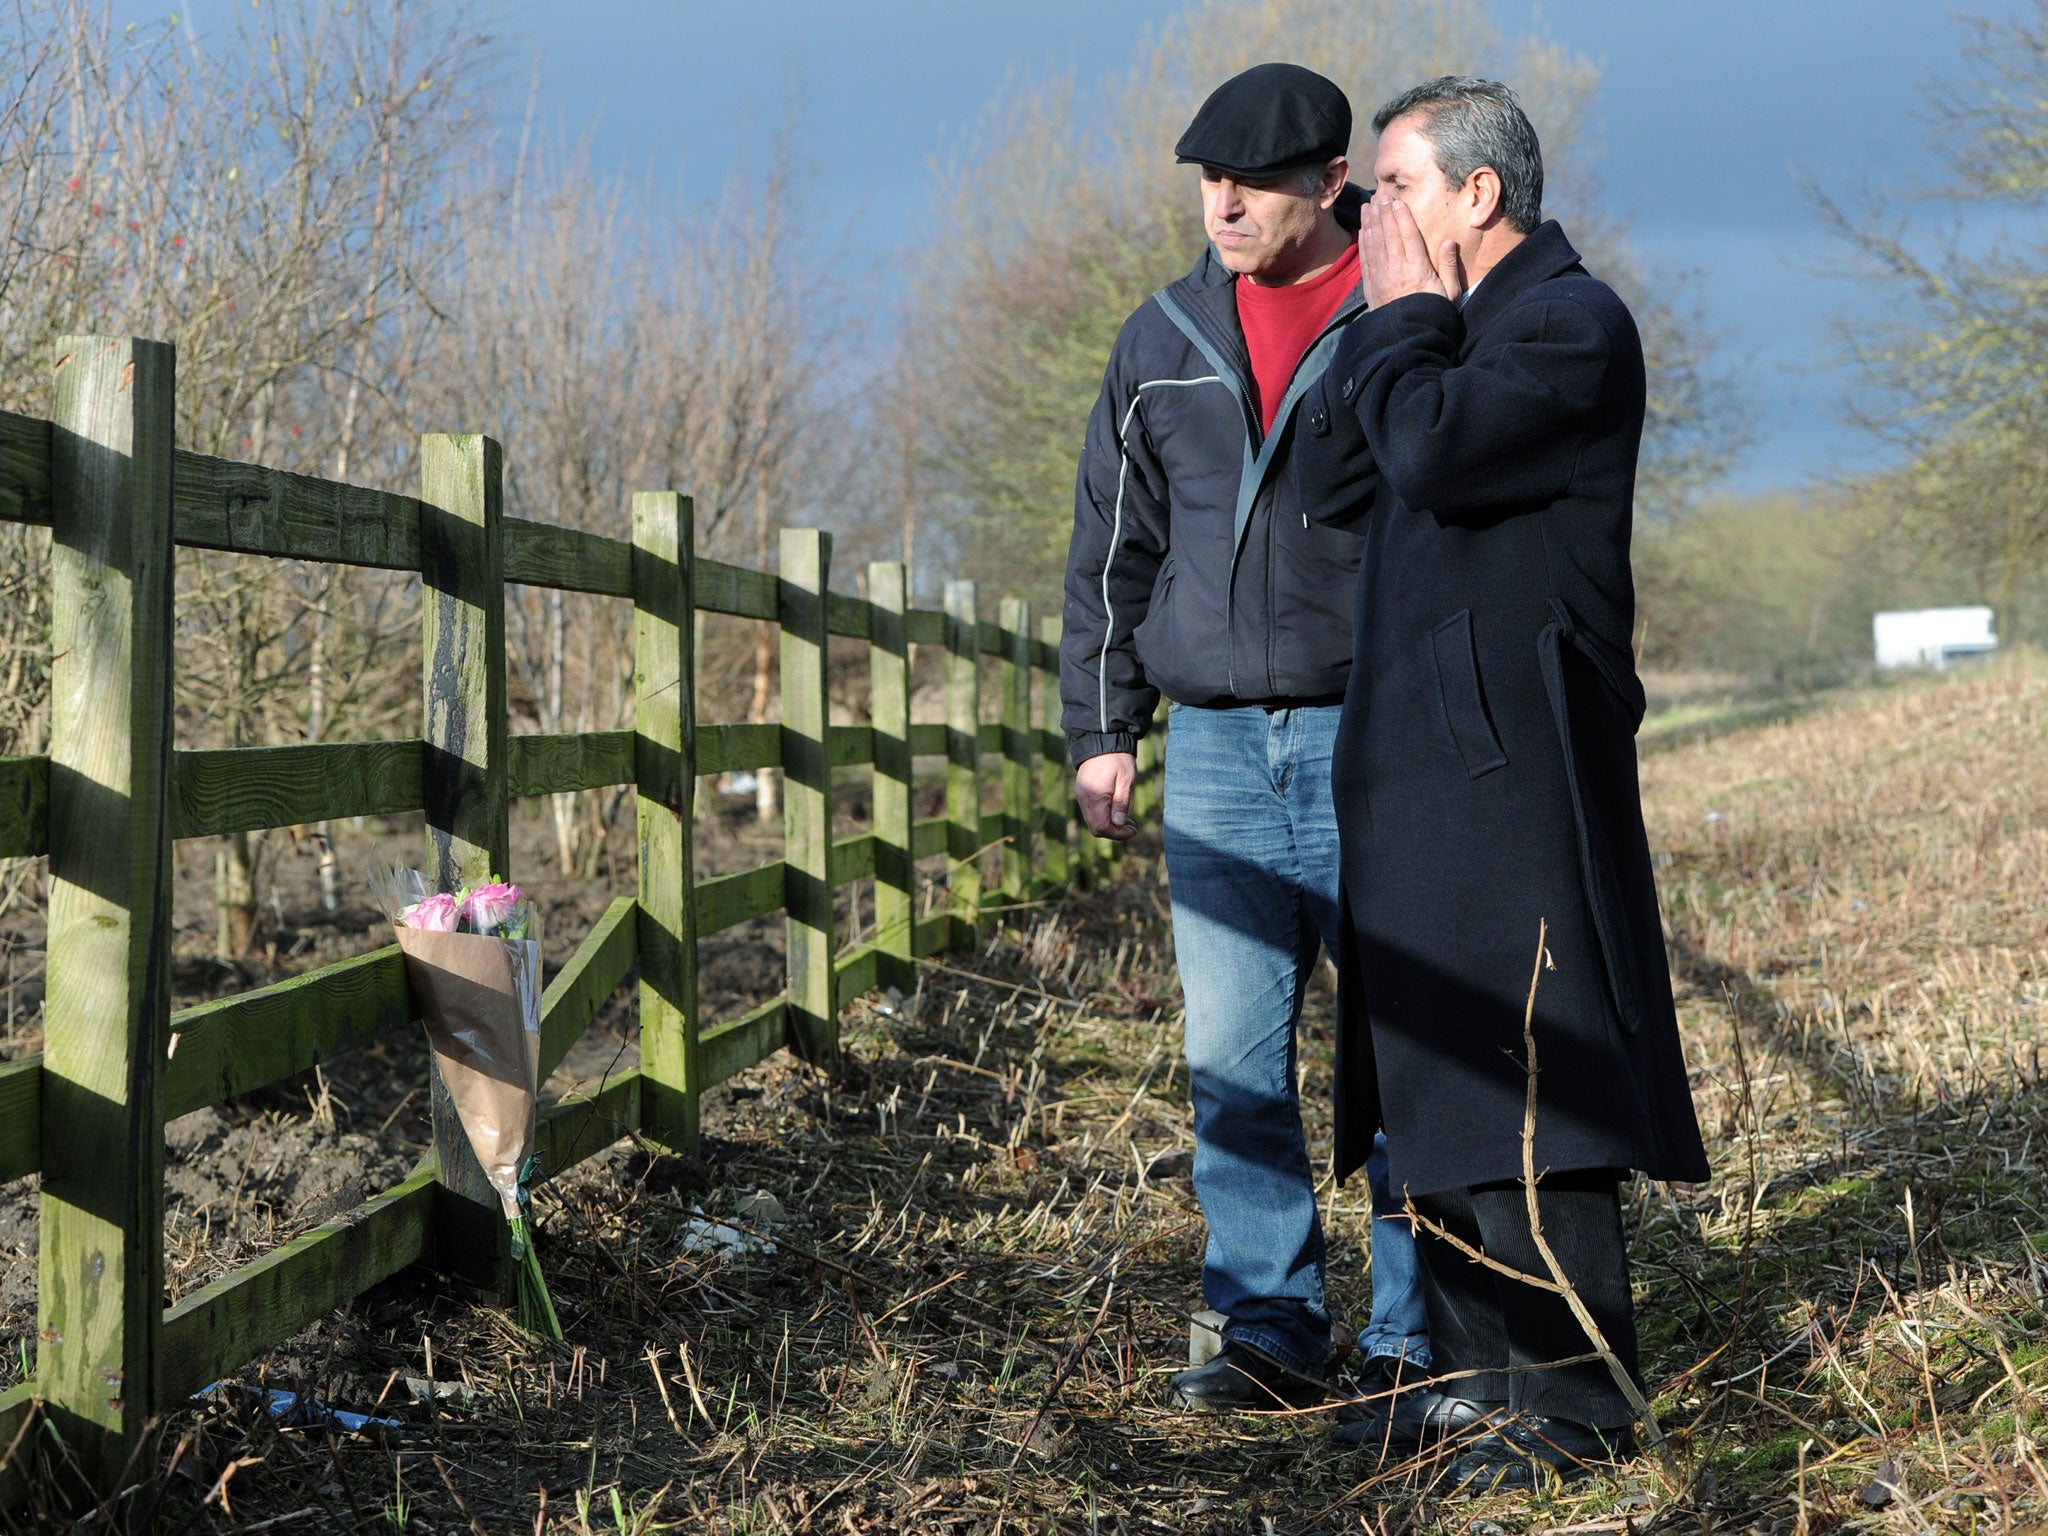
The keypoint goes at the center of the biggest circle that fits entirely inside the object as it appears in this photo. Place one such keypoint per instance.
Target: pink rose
(436, 914)
(494, 908)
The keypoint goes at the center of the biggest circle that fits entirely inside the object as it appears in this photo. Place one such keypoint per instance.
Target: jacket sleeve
(1335, 475)
(1502, 427)
(1120, 539)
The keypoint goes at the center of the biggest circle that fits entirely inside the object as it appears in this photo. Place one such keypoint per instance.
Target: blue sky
(1707, 113)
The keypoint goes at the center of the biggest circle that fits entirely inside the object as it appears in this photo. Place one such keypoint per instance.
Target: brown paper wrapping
(479, 998)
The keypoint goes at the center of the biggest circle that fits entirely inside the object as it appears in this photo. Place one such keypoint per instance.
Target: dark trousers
(1482, 1321)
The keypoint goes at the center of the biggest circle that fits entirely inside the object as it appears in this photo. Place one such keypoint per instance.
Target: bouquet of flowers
(473, 957)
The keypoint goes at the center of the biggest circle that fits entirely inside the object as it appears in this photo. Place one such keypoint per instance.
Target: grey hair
(1470, 123)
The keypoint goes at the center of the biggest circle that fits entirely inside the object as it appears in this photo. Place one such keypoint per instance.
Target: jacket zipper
(1225, 356)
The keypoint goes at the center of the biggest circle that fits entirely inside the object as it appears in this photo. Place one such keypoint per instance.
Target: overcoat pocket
(1559, 656)
(1463, 701)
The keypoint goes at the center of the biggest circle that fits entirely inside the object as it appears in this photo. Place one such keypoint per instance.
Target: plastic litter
(295, 1411)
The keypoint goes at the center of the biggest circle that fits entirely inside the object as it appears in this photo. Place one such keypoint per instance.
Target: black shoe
(1241, 1380)
(1411, 1421)
(1376, 1383)
(1524, 1450)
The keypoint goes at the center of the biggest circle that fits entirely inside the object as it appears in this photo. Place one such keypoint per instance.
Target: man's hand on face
(1394, 260)
(1102, 786)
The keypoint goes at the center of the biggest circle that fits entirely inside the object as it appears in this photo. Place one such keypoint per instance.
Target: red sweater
(1280, 324)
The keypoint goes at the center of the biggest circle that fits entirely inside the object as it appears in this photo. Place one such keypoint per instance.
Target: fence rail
(112, 794)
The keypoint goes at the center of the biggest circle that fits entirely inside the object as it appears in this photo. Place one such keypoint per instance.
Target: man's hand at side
(1102, 786)
(1395, 261)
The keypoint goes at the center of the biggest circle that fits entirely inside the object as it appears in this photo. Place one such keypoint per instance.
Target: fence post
(963, 762)
(1145, 792)
(107, 1008)
(1052, 760)
(665, 771)
(889, 690)
(807, 793)
(1020, 752)
(468, 803)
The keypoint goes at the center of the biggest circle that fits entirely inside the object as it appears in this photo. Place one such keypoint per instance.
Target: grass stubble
(985, 1243)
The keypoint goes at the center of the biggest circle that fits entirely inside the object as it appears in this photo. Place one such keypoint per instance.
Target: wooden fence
(106, 803)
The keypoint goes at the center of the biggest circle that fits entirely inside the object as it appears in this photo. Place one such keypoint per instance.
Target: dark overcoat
(1485, 770)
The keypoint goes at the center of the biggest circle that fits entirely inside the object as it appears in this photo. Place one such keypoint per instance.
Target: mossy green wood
(238, 789)
(849, 616)
(733, 589)
(728, 1049)
(242, 1043)
(238, 1044)
(24, 806)
(664, 705)
(853, 858)
(248, 509)
(1057, 873)
(1143, 790)
(925, 626)
(1020, 752)
(574, 1129)
(17, 1405)
(24, 469)
(850, 746)
(543, 555)
(21, 1118)
(560, 764)
(963, 761)
(895, 868)
(725, 901)
(807, 794)
(738, 748)
(107, 1010)
(465, 782)
(928, 837)
(260, 1305)
(856, 972)
(597, 970)
(932, 935)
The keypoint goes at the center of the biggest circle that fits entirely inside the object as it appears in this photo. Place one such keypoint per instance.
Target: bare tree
(267, 201)
(1952, 365)
(1023, 300)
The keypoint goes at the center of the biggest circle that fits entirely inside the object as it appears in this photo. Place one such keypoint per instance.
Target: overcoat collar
(1545, 254)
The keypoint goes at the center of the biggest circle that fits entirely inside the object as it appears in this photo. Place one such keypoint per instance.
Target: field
(942, 1292)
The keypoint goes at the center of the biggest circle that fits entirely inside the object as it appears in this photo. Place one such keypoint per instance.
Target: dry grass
(988, 1240)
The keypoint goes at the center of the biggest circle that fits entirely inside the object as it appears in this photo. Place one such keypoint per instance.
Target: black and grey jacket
(1192, 571)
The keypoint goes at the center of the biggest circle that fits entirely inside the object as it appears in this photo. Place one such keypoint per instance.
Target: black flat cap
(1269, 119)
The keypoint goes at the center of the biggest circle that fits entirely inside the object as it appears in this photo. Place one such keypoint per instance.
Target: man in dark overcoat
(1490, 404)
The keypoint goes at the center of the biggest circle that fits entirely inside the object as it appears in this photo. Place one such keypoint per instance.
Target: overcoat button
(1350, 388)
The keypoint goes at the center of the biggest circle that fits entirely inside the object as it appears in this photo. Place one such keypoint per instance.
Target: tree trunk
(234, 884)
(316, 726)
(561, 807)
(768, 781)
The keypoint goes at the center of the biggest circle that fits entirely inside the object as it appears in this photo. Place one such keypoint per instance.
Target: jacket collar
(1208, 295)
(1544, 254)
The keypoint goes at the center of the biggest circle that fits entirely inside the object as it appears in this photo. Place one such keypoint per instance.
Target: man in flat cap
(1489, 408)
(1194, 573)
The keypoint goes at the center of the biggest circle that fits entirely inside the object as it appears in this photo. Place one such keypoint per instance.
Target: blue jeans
(1251, 859)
